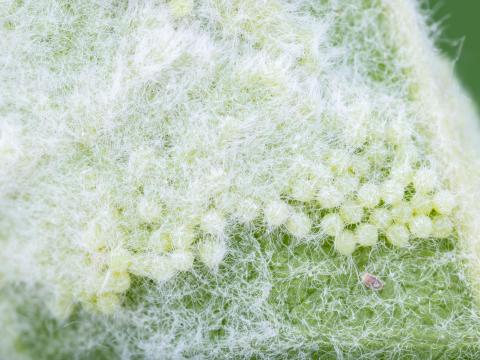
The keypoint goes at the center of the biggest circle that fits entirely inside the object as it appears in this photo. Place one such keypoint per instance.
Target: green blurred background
(459, 23)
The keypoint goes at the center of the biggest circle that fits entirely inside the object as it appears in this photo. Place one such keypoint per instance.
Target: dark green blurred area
(459, 22)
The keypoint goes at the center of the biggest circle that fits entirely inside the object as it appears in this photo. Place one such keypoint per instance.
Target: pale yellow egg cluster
(359, 212)
(402, 207)
(107, 272)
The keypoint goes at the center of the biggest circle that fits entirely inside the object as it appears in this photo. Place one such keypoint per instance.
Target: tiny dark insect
(372, 282)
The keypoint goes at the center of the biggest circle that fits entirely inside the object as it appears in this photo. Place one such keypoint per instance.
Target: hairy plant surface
(210, 179)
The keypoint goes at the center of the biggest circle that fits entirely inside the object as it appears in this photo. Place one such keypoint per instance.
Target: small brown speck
(372, 282)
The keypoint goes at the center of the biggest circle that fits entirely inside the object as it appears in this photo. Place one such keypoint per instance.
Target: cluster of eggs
(355, 214)
(107, 271)
(359, 213)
